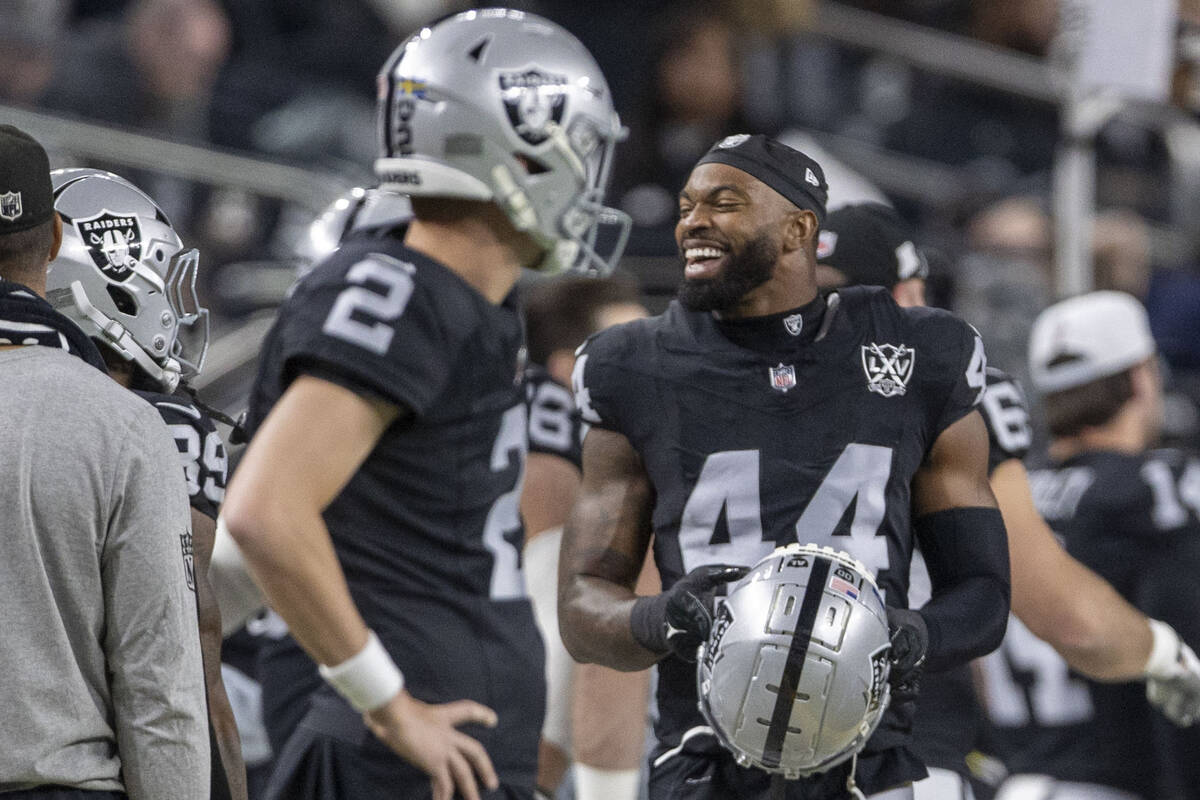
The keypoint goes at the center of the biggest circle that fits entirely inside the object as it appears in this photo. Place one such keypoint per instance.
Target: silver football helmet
(507, 107)
(357, 209)
(794, 676)
(124, 277)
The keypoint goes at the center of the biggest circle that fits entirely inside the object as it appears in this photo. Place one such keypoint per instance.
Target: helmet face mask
(506, 107)
(123, 275)
(793, 678)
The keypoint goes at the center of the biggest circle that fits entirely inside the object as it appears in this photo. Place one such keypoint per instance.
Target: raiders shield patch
(114, 242)
(10, 206)
(888, 368)
(533, 99)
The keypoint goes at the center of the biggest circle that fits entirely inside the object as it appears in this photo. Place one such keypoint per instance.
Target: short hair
(23, 254)
(560, 313)
(1090, 405)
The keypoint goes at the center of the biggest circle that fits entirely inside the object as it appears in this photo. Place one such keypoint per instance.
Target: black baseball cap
(794, 175)
(26, 196)
(871, 245)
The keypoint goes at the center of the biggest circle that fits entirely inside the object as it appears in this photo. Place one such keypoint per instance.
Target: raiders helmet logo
(888, 368)
(114, 241)
(533, 100)
(10, 206)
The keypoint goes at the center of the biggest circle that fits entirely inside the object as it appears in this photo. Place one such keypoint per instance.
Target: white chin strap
(118, 337)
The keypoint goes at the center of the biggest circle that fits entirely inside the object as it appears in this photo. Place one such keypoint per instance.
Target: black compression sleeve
(966, 550)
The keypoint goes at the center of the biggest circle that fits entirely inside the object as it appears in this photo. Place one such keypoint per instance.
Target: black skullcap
(871, 245)
(26, 196)
(788, 171)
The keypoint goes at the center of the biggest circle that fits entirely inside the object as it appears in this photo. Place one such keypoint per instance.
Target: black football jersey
(813, 442)
(1135, 520)
(201, 450)
(428, 530)
(949, 720)
(554, 427)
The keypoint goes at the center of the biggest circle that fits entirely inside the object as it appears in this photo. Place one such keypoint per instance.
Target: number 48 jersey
(813, 442)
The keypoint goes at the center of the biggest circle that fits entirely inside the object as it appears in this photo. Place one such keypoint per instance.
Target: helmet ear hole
(123, 300)
(532, 165)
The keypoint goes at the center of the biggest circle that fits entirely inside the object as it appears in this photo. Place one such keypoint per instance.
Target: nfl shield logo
(10, 206)
(783, 377)
(888, 368)
(533, 100)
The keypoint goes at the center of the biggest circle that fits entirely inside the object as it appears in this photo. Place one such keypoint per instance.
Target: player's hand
(1173, 686)
(680, 619)
(910, 641)
(428, 737)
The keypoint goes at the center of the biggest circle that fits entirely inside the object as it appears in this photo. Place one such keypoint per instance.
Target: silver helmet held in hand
(124, 277)
(506, 107)
(794, 677)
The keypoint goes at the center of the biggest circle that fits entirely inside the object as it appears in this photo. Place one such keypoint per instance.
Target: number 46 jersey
(816, 440)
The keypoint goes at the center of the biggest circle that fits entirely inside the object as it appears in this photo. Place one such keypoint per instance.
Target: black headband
(789, 172)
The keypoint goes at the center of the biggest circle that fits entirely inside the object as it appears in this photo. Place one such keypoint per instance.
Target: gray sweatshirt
(101, 684)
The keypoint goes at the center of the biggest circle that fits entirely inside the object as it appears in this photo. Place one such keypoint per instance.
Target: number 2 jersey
(814, 437)
(427, 530)
(1135, 520)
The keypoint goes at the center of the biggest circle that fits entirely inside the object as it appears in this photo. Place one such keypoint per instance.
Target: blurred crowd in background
(293, 81)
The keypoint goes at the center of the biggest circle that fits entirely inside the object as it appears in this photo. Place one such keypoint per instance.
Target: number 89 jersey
(201, 450)
(816, 442)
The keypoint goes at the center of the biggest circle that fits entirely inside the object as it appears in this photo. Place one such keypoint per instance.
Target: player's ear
(800, 230)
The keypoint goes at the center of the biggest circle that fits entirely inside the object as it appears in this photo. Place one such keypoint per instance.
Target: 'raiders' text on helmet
(124, 277)
(793, 678)
(507, 107)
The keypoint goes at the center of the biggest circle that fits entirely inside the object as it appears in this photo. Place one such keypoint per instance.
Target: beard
(744, 271)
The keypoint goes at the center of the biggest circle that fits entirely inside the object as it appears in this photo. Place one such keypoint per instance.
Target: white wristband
(1163, 662)
(367, 679)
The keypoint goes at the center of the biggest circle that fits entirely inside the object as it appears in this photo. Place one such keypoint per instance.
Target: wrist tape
(367, 679)
(1164, 652)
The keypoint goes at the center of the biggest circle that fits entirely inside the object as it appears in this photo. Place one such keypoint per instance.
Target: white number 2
(504, 517)
(729, 483)
(376, 336)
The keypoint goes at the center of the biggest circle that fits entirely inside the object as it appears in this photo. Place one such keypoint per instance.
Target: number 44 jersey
(815, 438)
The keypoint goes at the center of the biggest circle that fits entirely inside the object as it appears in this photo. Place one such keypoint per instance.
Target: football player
(377, 503)
(125, 278)
(756, 412)
(595, 716)
(1133, 515)
(1063, 602)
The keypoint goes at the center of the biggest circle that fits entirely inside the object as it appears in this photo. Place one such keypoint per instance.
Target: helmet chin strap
(116, 334)
(851, 785)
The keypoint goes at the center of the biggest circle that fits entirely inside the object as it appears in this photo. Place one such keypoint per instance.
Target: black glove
(679, 619)
(910, 641)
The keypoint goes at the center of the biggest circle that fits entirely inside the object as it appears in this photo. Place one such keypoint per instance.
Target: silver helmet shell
(123, 275)
(793, 678)
(503, 106)
(358, 209)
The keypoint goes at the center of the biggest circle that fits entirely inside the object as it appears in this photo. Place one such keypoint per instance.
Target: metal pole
(1074, 198)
